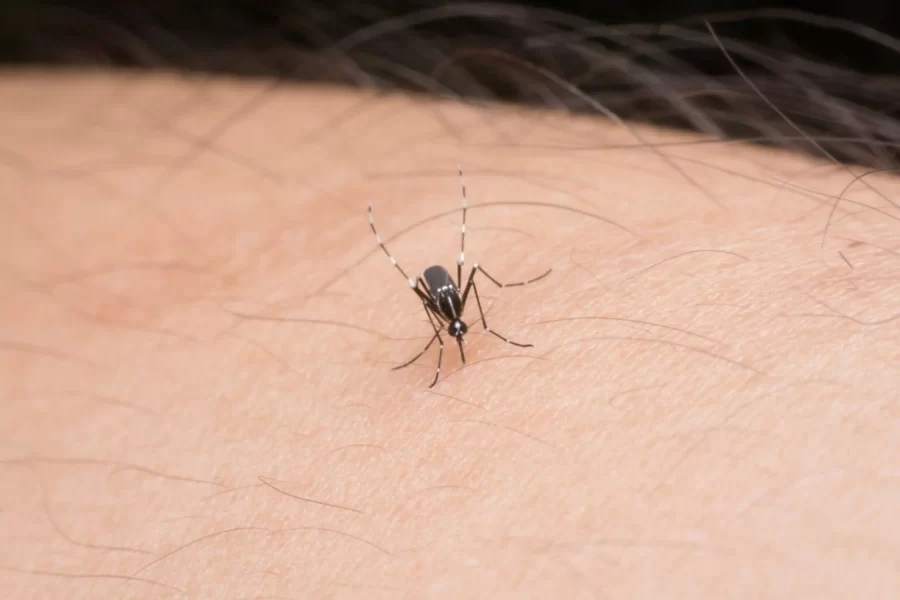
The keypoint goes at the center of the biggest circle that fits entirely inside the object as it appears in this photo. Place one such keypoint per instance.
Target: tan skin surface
(198, 331)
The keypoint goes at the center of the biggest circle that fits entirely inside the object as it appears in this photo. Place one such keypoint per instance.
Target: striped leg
(518, 283)
(471, 285)
(409, 280)
(462, 242)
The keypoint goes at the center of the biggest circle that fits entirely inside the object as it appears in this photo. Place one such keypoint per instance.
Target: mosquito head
(457, 329)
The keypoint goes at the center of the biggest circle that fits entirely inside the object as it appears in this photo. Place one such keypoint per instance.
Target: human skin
(198, 331)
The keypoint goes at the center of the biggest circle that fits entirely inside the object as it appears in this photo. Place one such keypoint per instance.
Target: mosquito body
(445, 295)
(441, 298)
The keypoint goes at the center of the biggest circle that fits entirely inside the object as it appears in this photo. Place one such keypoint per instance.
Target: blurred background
(641, 59)
(196, 34)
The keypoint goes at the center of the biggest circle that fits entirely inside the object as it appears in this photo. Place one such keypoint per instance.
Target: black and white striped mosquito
(440, 296)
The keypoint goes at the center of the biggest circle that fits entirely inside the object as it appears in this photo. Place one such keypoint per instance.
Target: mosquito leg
(476, 267)
(426, 299)
(469, 283)
(516, 284)
(462, 242)
(437, 373)
(417, 356)
(409, 280)
(484, 322)
(436, 336)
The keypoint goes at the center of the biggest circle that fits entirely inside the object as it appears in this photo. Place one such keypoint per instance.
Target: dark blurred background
(198, 34)
(648, 60)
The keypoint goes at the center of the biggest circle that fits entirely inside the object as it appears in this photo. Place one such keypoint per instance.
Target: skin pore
(198, 331)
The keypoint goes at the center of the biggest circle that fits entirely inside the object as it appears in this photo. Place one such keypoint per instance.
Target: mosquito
(441, 298)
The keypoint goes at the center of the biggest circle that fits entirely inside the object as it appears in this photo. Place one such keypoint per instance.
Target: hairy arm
(198, 331)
